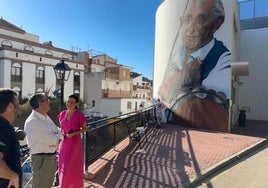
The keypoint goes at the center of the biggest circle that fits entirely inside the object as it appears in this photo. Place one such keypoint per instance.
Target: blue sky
(122, 29)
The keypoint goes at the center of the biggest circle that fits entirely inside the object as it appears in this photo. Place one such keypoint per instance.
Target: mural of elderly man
(196, 85)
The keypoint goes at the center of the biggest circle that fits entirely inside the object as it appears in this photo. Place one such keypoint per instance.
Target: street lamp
(62, 72)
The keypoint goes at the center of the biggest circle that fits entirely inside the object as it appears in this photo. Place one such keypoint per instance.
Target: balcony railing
(107, 135)
(16, 78)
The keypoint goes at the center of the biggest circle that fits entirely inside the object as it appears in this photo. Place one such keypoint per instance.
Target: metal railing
(26, 166)
(106, 135)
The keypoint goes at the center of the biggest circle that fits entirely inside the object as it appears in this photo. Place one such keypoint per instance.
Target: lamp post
(62, 72)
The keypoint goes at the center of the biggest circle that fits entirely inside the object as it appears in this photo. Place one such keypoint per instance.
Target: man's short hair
(6, 96)
(218, 9)
(35, 100)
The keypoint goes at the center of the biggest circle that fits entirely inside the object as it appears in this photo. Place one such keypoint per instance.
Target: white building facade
(141, 88)
(109, 87)
(26, 65)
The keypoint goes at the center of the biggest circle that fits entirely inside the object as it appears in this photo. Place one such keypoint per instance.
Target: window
(18, 91)
(128, 105)
(16, 73)
(76, 79)
(40, 90)
(65, 56)
(6, 43)
(77, 93)
(49, 53)
(40, 75)
(28, 48)
(93, 103)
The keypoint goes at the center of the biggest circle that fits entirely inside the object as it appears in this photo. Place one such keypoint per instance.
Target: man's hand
(7, 173)
(181, 81)
(191, 75)
(14, 182)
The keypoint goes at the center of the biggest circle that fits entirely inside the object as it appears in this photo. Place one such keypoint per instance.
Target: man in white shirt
(42, 136)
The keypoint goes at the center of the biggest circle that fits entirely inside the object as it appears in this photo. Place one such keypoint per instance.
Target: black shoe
(56, 183)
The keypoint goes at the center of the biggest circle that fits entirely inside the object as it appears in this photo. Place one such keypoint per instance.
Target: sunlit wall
(183, 91)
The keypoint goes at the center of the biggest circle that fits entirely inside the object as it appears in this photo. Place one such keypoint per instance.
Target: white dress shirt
(42, 135)
(218, 78)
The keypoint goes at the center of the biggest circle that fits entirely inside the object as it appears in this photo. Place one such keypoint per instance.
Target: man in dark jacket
(10, 167)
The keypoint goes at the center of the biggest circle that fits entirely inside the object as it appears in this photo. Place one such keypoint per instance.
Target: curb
(216, 167)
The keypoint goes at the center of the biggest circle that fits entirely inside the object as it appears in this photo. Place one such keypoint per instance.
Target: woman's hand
(70, 135)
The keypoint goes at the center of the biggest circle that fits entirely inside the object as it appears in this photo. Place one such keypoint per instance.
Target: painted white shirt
(218, 78)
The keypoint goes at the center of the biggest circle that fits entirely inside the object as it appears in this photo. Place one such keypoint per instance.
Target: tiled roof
(8, 26)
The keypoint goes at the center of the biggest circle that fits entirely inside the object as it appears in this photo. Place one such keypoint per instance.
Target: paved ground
(178, 156)
(250, 171)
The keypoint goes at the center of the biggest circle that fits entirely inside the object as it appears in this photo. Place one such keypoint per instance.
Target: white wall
(5, 67)
(92, 91)
(2, 75)
(137, 80)
(30, 61)
(112, 107)
(166, 26)
(82, 79)
(254, 90)
(26, 36)
(28, 79)
(68, 85)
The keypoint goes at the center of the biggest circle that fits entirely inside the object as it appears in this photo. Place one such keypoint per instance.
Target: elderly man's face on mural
(198, 24)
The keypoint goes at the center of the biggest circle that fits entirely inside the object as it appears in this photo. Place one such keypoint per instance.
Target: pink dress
(70, 158)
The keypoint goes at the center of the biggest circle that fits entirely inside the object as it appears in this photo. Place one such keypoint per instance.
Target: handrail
(26, 162)
(109, 132)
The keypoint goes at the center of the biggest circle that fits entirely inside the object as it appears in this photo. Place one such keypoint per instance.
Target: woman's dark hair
(6, 96)
(74, 97)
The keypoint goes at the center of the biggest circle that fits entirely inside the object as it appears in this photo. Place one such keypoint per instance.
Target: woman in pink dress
(70, 158)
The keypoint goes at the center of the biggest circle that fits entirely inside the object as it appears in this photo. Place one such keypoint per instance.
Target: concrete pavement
(250, 171)
(179, 156)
